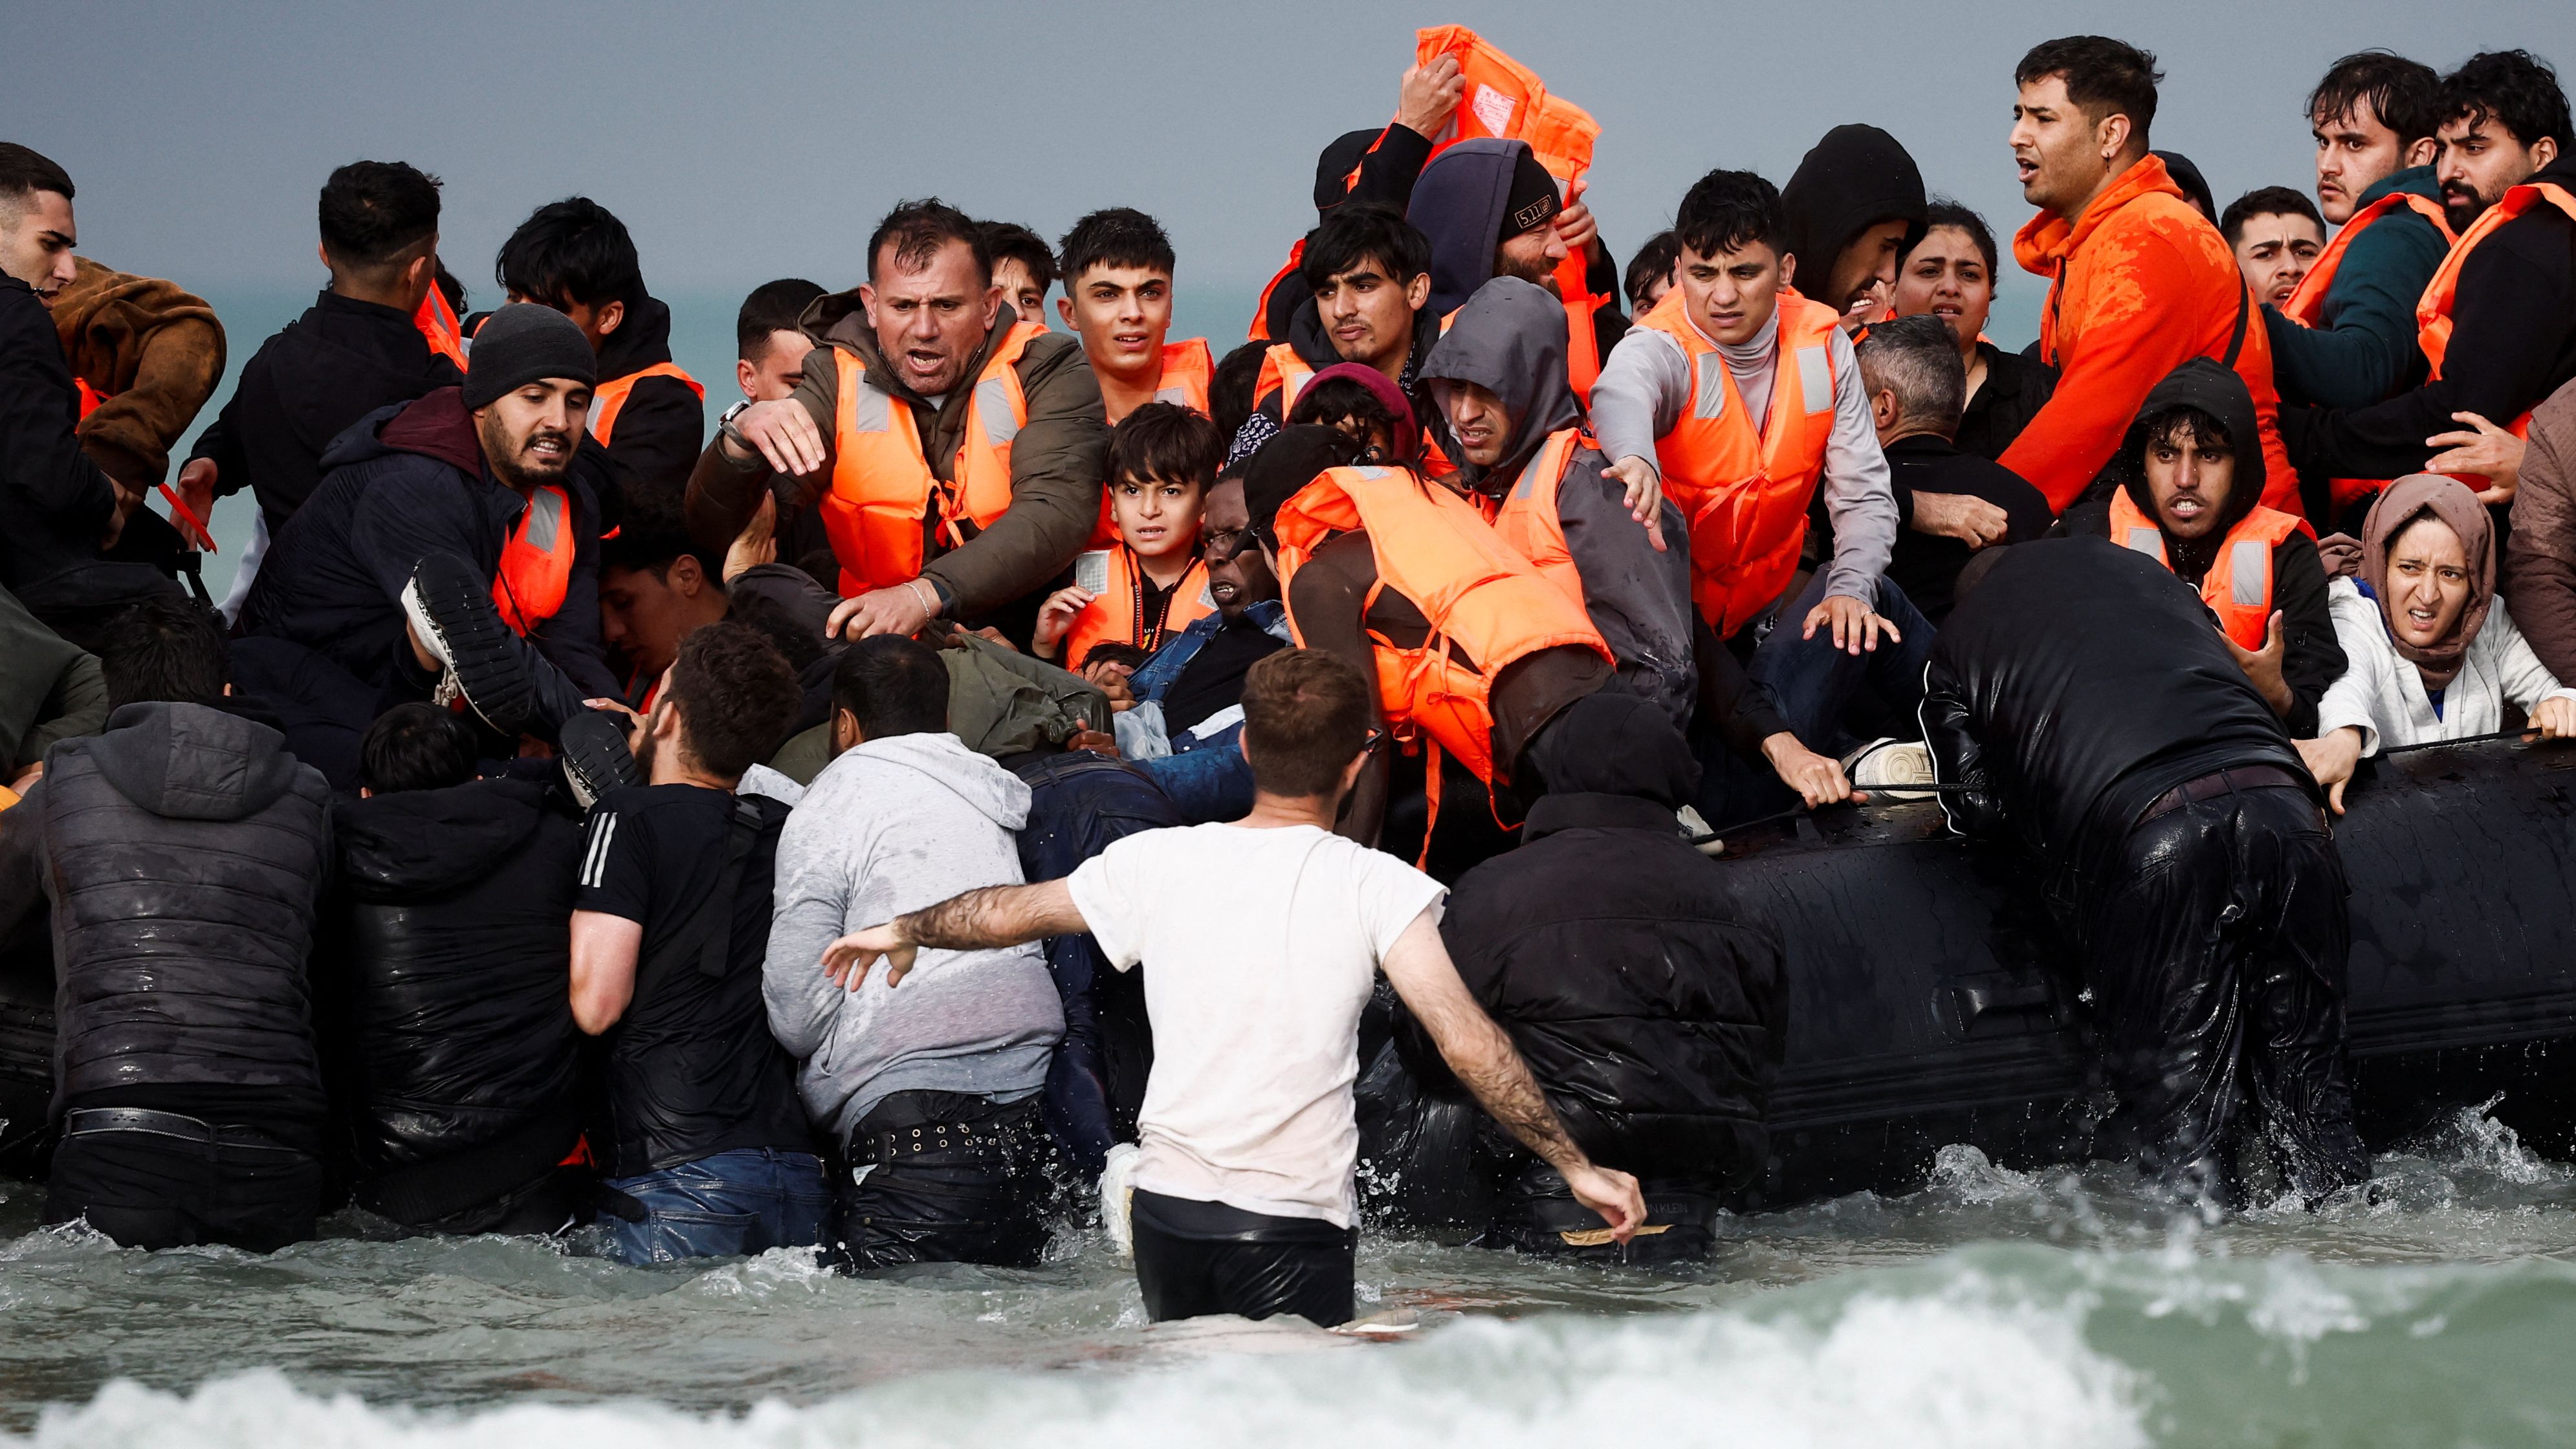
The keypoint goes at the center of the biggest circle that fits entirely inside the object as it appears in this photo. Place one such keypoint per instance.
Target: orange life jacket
(1500, 94)
(437, 323)
(1744, 484)
(1527, 518)
(1488, 605)
(2307, 305)
(1189, 370)
(536, 561)
(90, 397)
(882, 486)
(1561, 135)
(2238, 587)
(2433, 311)
(609, 398)
(1116, 616)
(1282, 372)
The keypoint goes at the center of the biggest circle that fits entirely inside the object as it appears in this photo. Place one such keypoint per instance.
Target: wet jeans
(1208, 781)
(2214, 946)
(723, 1205)
(941, 1177)
(1817, 686)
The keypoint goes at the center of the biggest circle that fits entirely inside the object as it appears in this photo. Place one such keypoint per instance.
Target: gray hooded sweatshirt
(891, 826)
(1509, 339)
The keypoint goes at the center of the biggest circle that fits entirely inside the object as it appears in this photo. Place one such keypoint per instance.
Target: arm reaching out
(1478, 1051)
(979, 920)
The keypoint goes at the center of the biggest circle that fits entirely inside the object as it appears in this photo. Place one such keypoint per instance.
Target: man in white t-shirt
(1264, 937)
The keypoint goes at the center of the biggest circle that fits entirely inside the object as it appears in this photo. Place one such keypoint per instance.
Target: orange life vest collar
(883, 490)
(2238, 586)
(609, 398)
(2307, 305)
(536, 561)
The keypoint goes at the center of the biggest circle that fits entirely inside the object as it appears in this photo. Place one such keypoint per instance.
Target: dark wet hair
(1944, 212)
(2104, 77)
(737, 699)
(573, 251)
(1358, 233)
(651, 536)
(23, 172)
(164, 647)
(2406, 95)
(771, 307)
(1305, 714)
(1168, 442)
(2514, 88)
(2266, 201)
(1654, 259)
(1008, 241)
(1334, 400)
(1725, 210)
(374, 211)
(416, 746)
(918, 229)
(892, 686)
(1120, 236)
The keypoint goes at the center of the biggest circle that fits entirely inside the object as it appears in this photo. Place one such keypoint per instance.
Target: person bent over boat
(2082, 696)
(1260, 939)
(934, 1091)
(1649, 1015)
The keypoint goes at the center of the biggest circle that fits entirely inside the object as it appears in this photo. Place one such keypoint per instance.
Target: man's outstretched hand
(1611, 1193)
(847, 960)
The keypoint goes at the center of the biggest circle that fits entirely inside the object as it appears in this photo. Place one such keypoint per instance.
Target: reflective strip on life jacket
(609, 398)
(536, 561)
(1282, 372)
(439, 327)
(1488, 605)
(2307, 305)
(2238, 586)
(1113, 618)
(1528, 520)
(882, 487)
(1744, 486)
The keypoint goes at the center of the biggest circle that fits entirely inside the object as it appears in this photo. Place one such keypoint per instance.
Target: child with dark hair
(1152, 584)
(707, 1152)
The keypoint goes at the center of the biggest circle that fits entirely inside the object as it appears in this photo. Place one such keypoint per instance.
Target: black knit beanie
(521, 344)
(1533, 198)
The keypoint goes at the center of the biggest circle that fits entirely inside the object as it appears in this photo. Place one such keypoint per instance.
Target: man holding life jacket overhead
(451, 550)
(955, 449)
(2189, 498)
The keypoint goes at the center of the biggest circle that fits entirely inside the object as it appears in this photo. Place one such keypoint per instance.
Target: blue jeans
(1816, 684)
(1209, 780)
(724, 1205)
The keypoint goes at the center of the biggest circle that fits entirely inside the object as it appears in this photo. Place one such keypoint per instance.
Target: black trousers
(2215, 949)
(981, 1200)
(147, 1190)
(1197, 1259)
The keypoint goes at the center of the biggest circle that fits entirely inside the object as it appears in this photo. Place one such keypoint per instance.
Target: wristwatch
(724, 425)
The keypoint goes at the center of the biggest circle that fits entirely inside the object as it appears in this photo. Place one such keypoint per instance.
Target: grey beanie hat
(520, 344)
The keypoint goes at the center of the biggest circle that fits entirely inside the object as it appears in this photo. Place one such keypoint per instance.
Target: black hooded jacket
(664, 423)
(2073, 685)
(454, 954)
(1604, 945)
(184, 852)
(405, 482)
(340, 361)
(2311, 657)
(1373, 168)
(1510, 340)
(1853, 179)
(1459, 205)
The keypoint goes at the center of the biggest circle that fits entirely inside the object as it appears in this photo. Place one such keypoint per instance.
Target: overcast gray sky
(750, 140)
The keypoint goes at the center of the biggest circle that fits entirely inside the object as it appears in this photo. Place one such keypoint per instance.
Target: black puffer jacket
(184, 852)
(2075, 683)
(456, 957)
(1651, 1017)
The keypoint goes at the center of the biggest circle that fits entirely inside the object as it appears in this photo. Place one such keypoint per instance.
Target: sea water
(2055, 1307)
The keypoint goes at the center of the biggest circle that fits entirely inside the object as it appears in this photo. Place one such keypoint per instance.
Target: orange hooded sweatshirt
(2140, 284)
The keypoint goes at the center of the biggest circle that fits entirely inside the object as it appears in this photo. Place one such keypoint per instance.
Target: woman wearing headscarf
(2434, 655)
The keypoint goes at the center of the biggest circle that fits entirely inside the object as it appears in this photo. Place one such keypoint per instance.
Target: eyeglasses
(1224, 544)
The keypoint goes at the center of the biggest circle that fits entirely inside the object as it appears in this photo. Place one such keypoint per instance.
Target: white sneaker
(1883, 766)
(1117, 1187)
(1695, 831)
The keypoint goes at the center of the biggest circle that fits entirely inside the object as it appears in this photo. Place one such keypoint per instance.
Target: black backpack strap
(2244, 314)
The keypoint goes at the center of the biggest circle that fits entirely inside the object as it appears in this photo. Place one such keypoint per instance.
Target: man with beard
(2498, 321)
(1491, 210)
(460, 509)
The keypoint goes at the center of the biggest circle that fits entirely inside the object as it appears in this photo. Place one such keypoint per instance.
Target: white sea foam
(1961, 1368)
